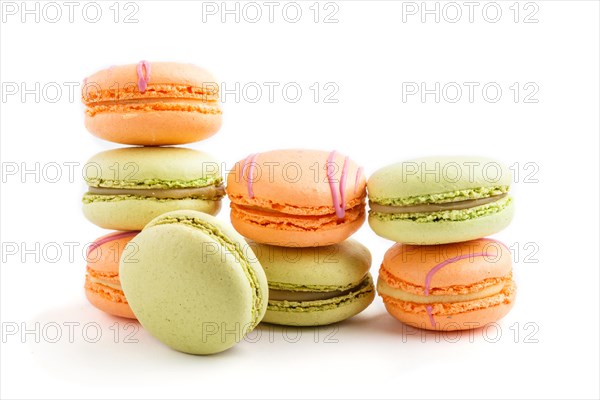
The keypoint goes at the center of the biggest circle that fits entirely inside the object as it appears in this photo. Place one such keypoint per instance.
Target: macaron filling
(445, 197)
(276, 293)
(162, 97)
(505, 296)
(301, 222)
(205, 193)
(461, 214)
(104, 282)
(290, 300)
(384, 289)
(431, 207)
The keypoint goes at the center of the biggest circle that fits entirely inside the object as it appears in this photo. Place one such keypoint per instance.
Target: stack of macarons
(443, 274)
(200, 285)
(146, 105)
(298, 208)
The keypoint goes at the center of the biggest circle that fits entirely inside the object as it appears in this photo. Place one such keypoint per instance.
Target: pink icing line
(343, 185)
(250, 164)
(110, 238)
(143, 78)
(442, 265)
(359, 173)
(339, 211)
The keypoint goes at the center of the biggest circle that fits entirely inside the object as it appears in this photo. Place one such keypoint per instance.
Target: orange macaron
(448, 287)
(297, 198)
(102, 284)
(152, 104)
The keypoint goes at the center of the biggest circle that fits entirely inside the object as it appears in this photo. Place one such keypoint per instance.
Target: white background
(548, 344)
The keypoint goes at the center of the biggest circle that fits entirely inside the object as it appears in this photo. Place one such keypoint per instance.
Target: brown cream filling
(269, 211)
(207, 193)
(152, 99)
(290, 295)
(419, 208)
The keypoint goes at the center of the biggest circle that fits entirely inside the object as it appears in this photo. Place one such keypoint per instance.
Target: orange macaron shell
(473, 319)
(448, 287)
(102, 285)
(158, 103)
(288, 197)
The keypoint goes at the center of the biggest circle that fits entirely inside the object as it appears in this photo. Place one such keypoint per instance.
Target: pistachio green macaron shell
(193, 283)
(332, 267)
(434, 179)
(152, 168)
(129, 213)
(342, 268)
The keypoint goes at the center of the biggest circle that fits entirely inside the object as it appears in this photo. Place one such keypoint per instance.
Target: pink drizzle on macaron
(110, 238)
(359, 173)
(250, 164)
(340, 210)
(143, 73)
(441, 265)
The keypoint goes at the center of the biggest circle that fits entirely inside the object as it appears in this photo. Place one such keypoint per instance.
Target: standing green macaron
(439, 200)
(130, 186)
(316, 285)
(193, 282)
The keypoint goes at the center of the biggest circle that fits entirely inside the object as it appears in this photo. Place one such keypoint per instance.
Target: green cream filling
(93, 198)
(448, 197)
(450, 215)
(153, 183)
(322, 305)
(230, 245)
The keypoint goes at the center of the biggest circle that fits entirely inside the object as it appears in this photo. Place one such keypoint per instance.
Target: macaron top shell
(338, 265)
(104, 254)
(476, 176)
(190, 273)
(125, 78)
(152, 167)
(297, 182)
(464, 263)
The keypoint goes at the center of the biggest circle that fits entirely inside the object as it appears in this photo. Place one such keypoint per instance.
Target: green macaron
(439, 200)
(316, 285)
(130, 186)
(193, 282)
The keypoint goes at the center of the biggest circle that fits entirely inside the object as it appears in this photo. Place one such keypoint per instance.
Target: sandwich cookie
(317, 285)
(130, 186)
(297, 198)
(152, 104)
(440, 200)
(448, 287)
(102, 285)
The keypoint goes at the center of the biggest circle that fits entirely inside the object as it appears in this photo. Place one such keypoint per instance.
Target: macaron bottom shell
(108, 300)
(439, 232)
(130, 213)
(477, 316)
(321, 312)
(288, 237)
(154, 128)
